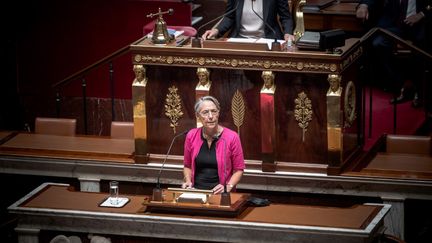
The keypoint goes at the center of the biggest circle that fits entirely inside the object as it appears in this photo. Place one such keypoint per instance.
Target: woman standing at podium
(213, 155)
(255, 19)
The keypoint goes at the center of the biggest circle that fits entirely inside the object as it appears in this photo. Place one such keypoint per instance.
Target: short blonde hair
(206, 98)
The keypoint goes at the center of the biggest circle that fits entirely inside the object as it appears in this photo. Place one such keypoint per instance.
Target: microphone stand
(276, 46)
(157, 191)
(225, 196)
(196, 41)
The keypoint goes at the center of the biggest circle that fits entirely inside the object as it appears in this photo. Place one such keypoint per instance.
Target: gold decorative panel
(237, 63)
(303, 112)
(238, 110)
(173, 108)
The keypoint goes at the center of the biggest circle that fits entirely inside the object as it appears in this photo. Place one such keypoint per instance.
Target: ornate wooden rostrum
(301, 127)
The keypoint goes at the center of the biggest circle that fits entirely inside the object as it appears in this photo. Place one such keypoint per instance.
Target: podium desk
(311, 122)
(55, 207)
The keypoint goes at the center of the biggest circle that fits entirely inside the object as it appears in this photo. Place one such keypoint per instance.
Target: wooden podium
(210, 207)
(316, 104)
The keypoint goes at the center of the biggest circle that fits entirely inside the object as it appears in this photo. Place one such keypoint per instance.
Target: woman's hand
(289, 37)
(209, 34)
(218, 189)
(187, 185)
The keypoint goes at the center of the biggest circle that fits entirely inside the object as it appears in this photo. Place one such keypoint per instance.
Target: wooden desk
(90, 172)
(73, 147)
(400, 166)
(55, 208)
(42, 149)
(337, 16)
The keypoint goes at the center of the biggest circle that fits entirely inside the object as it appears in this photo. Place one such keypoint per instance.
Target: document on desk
(269, 41)
(250, 40)
(241, 40)
(192, 197)
(119, 202)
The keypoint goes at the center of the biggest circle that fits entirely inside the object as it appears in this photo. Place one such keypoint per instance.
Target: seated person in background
(244, 23)
(406, 19)
(213, 155)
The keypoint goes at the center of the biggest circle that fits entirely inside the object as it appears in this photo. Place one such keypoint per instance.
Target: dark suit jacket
(272, 9)
(388, 11)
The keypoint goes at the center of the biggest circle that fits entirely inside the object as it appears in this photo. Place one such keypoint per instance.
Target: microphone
(276, 46)
(196, 41)
(157, 192)
(225, 196)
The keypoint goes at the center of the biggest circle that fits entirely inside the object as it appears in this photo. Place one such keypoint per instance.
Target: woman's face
(208, 115)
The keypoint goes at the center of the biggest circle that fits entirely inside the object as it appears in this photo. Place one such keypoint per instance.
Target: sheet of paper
(268, 41)
(121, 201)
(241, 40)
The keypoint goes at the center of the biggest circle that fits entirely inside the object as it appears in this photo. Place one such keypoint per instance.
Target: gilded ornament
(333, 67)
(300, 66)
(303, 112)
(170, 60)
(234, 62)
(140, 75)
(350, 104)
(240, 63)
(238, 110)
(173, 108)
(137, 58)
(201, 61)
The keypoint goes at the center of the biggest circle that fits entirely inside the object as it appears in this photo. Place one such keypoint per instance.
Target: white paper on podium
(121, 201)
(191, 197)
(269, 41)
(250, 40)
(241, 40)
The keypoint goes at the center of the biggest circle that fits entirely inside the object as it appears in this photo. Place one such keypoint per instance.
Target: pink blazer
(228, 146)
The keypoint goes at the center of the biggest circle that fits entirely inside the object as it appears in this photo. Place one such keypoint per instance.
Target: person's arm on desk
(187, 175)
(210, 34)
(235, 179)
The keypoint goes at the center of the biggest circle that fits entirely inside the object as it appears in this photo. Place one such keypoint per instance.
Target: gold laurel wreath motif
(173, 109)
(238, 110)
(303, 112)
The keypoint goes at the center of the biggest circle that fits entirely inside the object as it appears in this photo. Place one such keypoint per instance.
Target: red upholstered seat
(188, 30)
(55, 126)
